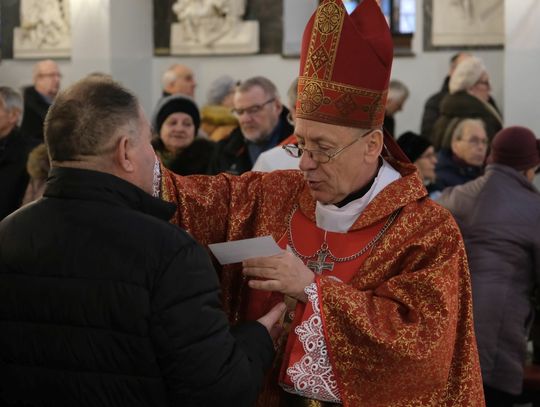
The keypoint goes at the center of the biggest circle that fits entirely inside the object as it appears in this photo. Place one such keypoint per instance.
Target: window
(401, 17)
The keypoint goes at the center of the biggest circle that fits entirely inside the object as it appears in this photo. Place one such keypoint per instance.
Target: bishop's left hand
(283, 272)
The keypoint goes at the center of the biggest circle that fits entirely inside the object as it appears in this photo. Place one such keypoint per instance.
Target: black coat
(14, 150)
(193, 160)
(104, 303)
(231, 154)
(35, 110)
(451, 171)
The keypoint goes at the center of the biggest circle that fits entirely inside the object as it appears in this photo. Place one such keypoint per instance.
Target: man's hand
(270, 320)
(284, 273)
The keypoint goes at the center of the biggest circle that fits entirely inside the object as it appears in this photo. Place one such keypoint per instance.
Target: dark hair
(84, 118)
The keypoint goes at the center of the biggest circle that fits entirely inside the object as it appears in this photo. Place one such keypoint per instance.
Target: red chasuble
(399, 330)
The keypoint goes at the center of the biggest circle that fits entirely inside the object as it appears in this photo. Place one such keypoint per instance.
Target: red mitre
(345, 66)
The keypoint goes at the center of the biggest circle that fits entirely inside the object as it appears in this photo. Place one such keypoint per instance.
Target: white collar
(330, 217)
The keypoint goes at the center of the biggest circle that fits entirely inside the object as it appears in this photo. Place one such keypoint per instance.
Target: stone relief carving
(44, 31)
(213, 27)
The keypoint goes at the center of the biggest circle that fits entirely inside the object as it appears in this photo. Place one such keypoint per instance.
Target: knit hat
(413, 145)
(466, 74)
(175, 104)
(219, 89)
(516, 147)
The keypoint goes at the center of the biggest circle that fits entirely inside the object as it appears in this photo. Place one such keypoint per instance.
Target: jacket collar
(512, 173)
(72, 183)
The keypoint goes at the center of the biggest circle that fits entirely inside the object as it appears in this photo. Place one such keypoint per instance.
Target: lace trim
(156, 184)
(312, 376)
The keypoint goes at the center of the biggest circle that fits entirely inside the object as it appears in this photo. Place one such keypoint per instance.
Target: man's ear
(123, 154)
(14, 115)
(374, 145)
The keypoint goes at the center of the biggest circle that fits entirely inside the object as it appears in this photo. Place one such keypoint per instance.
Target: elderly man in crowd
(374, 273)
(464, 160)
(14, 150)
(178, 79)
(398, 93)
(499, 216)
(46, 79)
(262, 125)
(102, 301)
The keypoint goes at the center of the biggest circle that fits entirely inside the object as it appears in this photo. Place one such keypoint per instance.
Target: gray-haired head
(264, 83)
(11, 101)
(466, 74)
(220, 89)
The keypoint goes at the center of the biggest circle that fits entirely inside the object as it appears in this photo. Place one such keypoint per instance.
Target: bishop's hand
(283, 272)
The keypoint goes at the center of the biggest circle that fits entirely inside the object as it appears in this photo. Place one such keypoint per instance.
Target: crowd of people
(408, 263)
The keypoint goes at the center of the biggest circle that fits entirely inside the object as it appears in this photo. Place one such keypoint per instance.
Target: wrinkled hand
(272, 318)
(283, 272)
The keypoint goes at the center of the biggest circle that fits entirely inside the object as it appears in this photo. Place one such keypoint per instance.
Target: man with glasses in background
(374, 272)
(262, 122)
(46, 79)
(464, 160)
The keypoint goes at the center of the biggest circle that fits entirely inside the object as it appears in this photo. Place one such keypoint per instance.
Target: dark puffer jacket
(104, 303)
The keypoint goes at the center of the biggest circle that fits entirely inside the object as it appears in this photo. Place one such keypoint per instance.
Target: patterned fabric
(345, 66)
(312, 375)
(401, 329)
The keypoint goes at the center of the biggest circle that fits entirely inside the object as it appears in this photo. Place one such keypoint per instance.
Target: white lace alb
(312, 376)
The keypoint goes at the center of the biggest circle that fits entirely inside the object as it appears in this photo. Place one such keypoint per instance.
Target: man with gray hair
(398, 93)
(102, 300)
(46, 78)
(464, 160)
(178, 79)
(14, 150)
(262, 122)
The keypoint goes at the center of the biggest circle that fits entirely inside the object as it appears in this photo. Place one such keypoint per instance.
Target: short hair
(219, 89)
(458, 130)
(84, 118)
(266, 84)
(292, 92)
(466, 74)
(397, 90)
(10, 99)
(36, 69)
(169, 76)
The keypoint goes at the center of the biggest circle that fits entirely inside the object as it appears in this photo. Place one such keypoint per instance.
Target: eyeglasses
(50, 75)
(321, 157)
(252, 109)
(486, 83)
(475, 141)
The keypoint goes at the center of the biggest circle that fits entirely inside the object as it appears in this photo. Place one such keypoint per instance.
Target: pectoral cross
(319, 265)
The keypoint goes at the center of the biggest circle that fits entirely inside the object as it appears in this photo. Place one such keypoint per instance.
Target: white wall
(128, 57)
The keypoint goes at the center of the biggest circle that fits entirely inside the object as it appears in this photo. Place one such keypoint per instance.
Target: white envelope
(239, 250)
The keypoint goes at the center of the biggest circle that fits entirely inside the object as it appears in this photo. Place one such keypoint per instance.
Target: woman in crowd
(422, 154)
(217, 120)
(469, 97)
(176, 121)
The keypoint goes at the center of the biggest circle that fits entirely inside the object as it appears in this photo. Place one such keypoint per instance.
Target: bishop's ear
(374, 143)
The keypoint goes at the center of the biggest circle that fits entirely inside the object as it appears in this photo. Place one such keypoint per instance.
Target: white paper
(239, 250)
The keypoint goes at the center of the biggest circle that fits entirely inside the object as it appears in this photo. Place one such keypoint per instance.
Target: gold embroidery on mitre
(324, 41)
(311, 97)
(347, 99)
(346, 104)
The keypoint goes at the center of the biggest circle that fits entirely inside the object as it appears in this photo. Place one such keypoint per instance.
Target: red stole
(306, 239)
